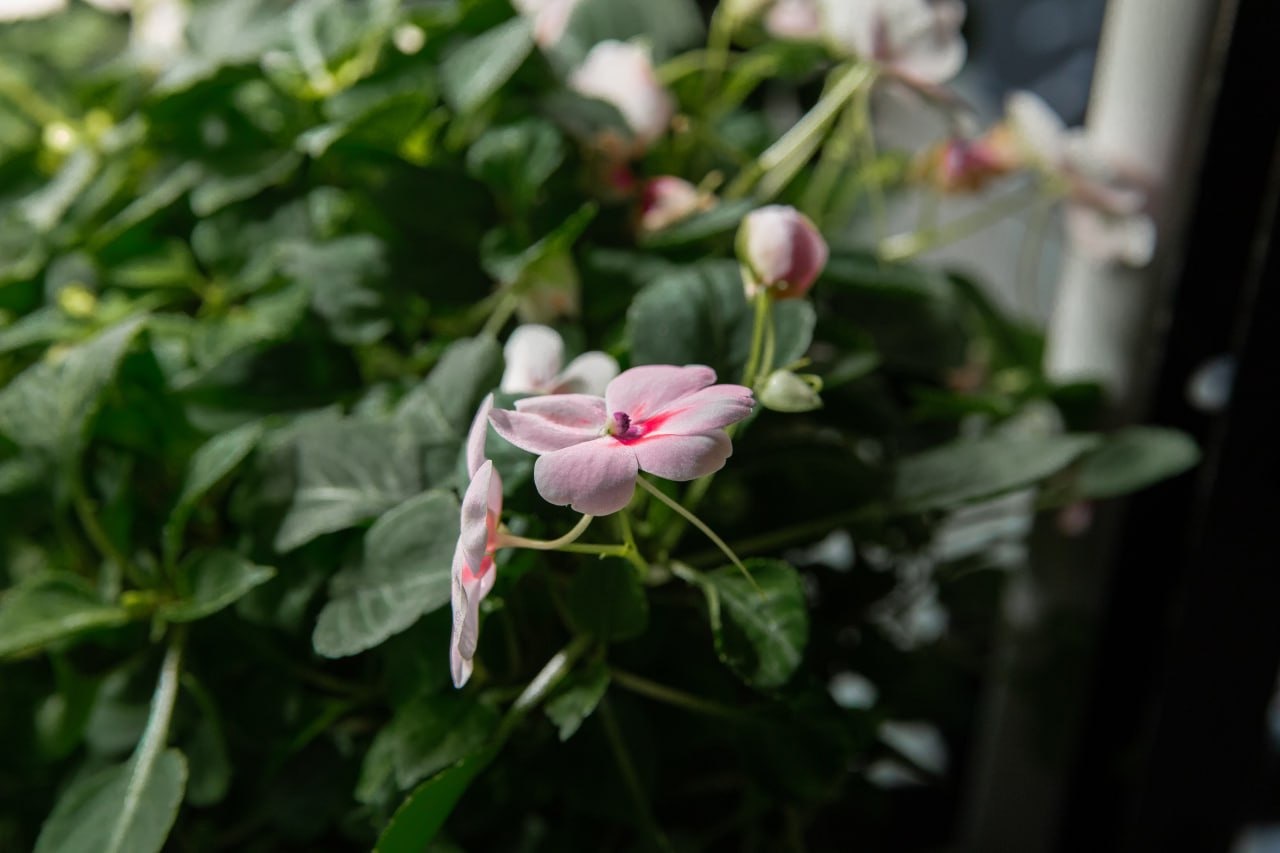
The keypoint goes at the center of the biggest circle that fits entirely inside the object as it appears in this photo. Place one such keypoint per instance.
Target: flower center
(621, 424)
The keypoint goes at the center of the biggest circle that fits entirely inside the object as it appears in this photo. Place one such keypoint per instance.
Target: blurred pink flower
(662, 419)
(549, 18)
(916, 40)
(960, 164)
(1106, 214)
(621, 74)
(780, 248)
(666, 200)
(534, 355)
(794, 20)
(473, 572)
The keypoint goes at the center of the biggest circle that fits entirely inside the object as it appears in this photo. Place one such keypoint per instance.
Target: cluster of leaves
(244, 328)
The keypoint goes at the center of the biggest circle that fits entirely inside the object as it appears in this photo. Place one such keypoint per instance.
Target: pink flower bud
(780, 248)
(621, 74)
(668, 199)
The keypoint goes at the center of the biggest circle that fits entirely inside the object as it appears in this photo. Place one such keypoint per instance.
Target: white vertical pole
(1148, 77)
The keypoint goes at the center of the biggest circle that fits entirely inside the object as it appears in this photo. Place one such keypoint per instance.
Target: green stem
(502, 313)
(835, 157)
(629, 541)
(670, 695)
(627, 768)
(902, 247)
(541, 686)
(695, 521)
(97, 535)
(763, 302)
(508, 540)
(805, 531)
(719, 38)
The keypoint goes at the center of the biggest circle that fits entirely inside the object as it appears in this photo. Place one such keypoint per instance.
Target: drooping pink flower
(780, 248)
(534, 355)
(662, 419)
(473, 571)
(621, 73)
(916, 40)
(667, 199)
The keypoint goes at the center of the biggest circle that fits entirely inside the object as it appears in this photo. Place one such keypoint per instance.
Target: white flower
(534, 355)
(794, 20)
(916, 40)
(621, 73)
(19, 10)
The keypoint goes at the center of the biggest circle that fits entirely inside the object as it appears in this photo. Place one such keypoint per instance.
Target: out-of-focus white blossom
(20, 10)
(621, 73)
(916, 40)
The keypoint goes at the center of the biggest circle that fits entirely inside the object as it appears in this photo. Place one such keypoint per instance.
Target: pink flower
(794, 20)
(668, 199)
(916, 40)
(473, 571)
(534, 355)
(963, 165)
(780, 248)
(621, 74)
(662, 419)
(550, 18)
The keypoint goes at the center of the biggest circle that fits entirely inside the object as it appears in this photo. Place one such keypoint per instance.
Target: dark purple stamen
(621, 423)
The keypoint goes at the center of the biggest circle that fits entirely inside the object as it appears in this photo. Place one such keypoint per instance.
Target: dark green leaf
(667, 26)
(517, 159)
(215, 459)
(217, 191)
(425, 810)
(405, 574)
(578, 698)
(211, 580)
(760, 628)
(607, 599)
(50, 608)
(1132, 459)
(477, 69)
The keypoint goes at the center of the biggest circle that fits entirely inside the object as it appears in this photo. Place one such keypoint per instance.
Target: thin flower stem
(901, 247)
(836, 153)
(628, 770)
(770, 344)
(763, 304)
(719, 39)
(508, 540)
(502, 313)
(97, 535)
(629, 542)
(670, 695)
(695, 521)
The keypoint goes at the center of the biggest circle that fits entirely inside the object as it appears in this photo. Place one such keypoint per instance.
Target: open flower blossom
(473, 571)
(621, 73)
(662, 419)
(780, 248)
(534, 355)
(1106, 214)
(917, 41)
(549, 18)
(666, 200)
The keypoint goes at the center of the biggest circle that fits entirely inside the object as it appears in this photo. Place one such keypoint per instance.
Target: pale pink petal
(476, 436)
(466, 625)
(546, 424)
(589, 373)
(683, 457)
(710, 409)
(595, 478)
(1039, 129)
(481, 507)
(797, 20)
(644, 391)
(533, 356)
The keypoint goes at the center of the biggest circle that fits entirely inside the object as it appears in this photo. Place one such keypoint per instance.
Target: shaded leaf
(607, 599)
(211, 580)
(49, 608)
(212, 461)
(1132, 459)
(578, 698)
(477, 69)
(424, 811)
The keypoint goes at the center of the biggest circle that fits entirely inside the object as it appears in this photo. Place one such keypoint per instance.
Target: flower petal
(710, 409)
(589, 373)
(642, 392)
(533, 356)
(546, 424)
(466, 625)
(683, 457)
(595, 478)
(477, 434)
(481, 507)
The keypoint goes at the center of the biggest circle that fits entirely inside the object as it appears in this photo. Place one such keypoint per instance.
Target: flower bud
(621, 74)
(960, 165)
(780, 248)
(668, 199)
(785, 391)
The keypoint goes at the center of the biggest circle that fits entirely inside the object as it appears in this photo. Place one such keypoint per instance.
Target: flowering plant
(479, 422)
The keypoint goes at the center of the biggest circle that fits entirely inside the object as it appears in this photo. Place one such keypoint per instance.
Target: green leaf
(760, 628)
(426, 736)
(405, 574)
(720, 219)
(1132, 459)
(477, 69)
(48, 406)
(214, 459)
(439, 410)
(509, 263)
(348, 472)
(515, 160)
(136, 809)
(667, 26)
(578, 698)
(211, 580)
(50, 608)
(217, 191)
(700, 315)
(607, 600)
(969, 470)
(343, 276)
(424, 811)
